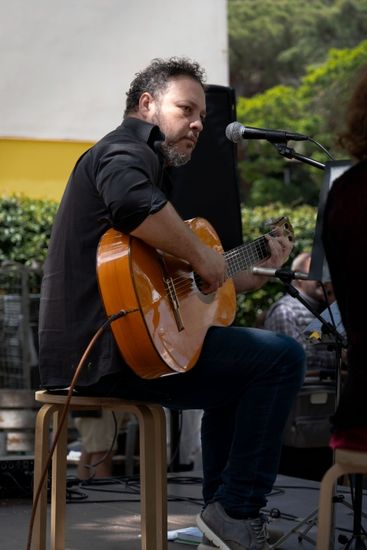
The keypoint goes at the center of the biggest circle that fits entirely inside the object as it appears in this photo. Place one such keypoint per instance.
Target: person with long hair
(345, 242)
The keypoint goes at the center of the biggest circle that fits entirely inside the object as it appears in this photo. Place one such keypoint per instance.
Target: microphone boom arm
(290, 153)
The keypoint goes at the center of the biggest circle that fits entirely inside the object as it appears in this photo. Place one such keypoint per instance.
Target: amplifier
(16, 476)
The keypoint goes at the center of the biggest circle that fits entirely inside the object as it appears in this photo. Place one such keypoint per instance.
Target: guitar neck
(246, 255)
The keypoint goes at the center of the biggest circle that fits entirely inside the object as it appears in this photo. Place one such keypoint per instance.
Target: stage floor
(107, 515)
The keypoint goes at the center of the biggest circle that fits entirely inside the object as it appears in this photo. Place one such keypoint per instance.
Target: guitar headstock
(281, 227)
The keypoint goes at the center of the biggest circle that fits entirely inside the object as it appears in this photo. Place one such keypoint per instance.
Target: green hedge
(25, 228)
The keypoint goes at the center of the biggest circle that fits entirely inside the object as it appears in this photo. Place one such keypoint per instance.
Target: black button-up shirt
(117, 183)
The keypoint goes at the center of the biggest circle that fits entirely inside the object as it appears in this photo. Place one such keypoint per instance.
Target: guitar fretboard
(246, 255)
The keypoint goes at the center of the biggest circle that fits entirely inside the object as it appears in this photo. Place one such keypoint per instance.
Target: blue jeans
(245, 380)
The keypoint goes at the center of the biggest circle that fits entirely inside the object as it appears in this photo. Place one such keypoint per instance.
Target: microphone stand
(290, 153)
(356, 542)
(328, 328)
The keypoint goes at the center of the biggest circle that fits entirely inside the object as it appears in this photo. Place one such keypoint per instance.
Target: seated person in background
(289, 316)
(305, 450)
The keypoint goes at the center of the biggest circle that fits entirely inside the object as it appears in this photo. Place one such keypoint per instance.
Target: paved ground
(107, 516)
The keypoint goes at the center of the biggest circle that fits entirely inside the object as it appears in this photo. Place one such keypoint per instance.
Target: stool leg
(41, 450)
(325, 502)
(161, 475)
(325, 506)
(58, 488)
(132, 430)
(153, 507)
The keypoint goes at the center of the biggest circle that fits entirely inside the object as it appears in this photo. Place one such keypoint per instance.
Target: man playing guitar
(244, 379)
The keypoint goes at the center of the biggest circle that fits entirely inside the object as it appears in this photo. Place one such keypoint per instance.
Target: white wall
(66, 64)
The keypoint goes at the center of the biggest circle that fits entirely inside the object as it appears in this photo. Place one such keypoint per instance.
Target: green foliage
(325, 90)
(316, 108)
(265, 175)
(273, 42)
(25, 228)
(252, 306)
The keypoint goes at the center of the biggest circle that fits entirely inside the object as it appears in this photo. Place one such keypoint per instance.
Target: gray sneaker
(273, 536)
(232, 534)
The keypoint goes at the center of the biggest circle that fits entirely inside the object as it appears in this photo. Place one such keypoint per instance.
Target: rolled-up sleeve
(127, 178)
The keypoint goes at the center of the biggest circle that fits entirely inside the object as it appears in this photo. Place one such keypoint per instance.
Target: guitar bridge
(171, 291)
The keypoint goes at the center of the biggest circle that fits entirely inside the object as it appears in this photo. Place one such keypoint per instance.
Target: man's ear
(146, 105)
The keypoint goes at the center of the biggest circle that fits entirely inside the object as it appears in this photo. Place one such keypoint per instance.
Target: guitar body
(165, 332)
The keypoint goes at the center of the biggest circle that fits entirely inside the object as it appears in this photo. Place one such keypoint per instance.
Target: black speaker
(207, 186)
(16, 476)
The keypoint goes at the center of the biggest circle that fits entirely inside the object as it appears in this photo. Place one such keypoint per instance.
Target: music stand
(319, 270)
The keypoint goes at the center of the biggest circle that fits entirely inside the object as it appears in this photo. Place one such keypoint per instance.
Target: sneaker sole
(210, 534)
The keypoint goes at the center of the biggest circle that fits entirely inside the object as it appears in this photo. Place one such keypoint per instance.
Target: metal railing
(19, 303)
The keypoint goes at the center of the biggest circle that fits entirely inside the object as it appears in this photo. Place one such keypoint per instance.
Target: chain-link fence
(19, 303)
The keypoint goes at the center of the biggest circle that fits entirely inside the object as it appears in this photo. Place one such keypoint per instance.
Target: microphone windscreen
(234, 131)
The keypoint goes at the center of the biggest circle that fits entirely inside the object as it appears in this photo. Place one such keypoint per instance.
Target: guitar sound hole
(205, 298)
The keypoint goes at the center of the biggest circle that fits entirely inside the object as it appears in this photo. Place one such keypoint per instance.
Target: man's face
(179, 112)
(314, 289)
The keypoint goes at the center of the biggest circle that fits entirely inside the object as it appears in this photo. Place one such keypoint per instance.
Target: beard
(169, 150)
(174, 157)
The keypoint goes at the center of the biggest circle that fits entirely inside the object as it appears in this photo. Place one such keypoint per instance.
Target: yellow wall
(37, 169)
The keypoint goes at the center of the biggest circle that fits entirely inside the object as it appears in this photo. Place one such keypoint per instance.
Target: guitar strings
(236, 260)
(237, 257)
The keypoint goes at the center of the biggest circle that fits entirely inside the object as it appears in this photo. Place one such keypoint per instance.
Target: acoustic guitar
(165, 330)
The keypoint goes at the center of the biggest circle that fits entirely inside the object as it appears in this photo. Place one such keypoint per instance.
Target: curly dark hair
(354, 138)
(155, 77)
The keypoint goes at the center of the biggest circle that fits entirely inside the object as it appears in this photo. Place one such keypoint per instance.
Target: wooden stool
(153, 467)
(346, 462)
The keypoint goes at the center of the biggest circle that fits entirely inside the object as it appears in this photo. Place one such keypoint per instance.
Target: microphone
(235, 132)
(283, 274)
